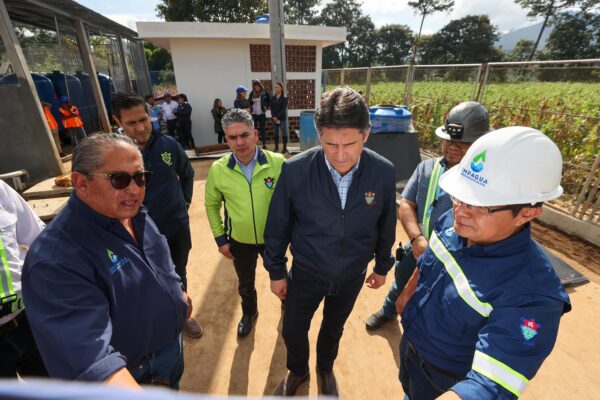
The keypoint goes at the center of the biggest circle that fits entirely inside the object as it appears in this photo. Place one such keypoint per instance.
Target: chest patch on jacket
(529, 329)
(166, 157)
(370, 198)
(116, 261)
(269, 182)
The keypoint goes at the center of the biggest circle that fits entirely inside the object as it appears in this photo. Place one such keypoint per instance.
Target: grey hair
(88, 155)
(237, 115)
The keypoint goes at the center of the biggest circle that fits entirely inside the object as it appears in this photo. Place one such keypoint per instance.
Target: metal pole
(64, 56)
(368, 88)
(124, 64)
(276, 29)
(146, 69)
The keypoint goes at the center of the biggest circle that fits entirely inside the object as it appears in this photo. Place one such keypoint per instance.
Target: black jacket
(329, 242)
(184, 112)
(279, 106)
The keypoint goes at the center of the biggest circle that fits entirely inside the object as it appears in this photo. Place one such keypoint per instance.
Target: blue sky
(505, 14)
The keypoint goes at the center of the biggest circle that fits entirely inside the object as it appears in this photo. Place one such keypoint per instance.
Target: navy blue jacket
(171, 185)
(97, 301)
(279, 107)
(327, 241)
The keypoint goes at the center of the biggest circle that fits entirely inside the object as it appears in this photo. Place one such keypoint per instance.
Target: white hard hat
(515, 165)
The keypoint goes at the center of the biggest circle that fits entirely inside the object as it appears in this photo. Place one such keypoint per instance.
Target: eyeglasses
(479, 209)
(121, 180)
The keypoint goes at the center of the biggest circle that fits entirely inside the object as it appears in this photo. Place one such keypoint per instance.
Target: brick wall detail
(297, 58)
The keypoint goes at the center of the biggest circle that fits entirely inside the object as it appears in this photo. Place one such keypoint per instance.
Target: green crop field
(569, 113)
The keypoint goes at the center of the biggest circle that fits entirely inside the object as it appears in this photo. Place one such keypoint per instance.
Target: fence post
(409, 84)
(342, 77)
(368, 88)
(482, 77)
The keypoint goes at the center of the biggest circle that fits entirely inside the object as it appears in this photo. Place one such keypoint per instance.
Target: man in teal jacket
(244, 181)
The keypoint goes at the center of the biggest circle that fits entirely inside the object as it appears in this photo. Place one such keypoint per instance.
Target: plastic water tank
(308, 132)
(90, 111)
(75, 92)
(262, 19)
(108, 88)
(390, 119)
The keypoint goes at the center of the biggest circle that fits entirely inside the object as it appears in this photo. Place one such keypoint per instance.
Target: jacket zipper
(253, 218)
(341, 243)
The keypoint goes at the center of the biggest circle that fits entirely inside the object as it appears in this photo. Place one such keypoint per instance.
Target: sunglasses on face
(122, 180)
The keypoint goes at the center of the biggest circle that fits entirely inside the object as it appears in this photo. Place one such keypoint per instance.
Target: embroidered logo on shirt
(529, 329)
(269, 182)
(116, 262)
(166, 157)
(370, 198)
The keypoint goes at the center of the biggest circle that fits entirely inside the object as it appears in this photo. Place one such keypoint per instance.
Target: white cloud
(129, 19)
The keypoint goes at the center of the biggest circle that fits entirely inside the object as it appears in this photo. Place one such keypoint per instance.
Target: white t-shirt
(169, 109)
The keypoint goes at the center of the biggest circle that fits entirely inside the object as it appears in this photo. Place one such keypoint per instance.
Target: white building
(212, 59)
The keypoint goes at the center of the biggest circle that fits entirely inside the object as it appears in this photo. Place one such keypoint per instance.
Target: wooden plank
(46, 189)
(47, 209)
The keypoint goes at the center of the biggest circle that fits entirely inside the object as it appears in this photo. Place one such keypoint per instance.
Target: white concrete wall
(209, 68)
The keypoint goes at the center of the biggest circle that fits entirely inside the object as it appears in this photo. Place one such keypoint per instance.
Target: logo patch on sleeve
(167, 158)
(370, 198)
(269, 182)
(529, 329)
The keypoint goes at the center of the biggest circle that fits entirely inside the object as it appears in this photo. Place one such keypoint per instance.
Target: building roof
(161, 33)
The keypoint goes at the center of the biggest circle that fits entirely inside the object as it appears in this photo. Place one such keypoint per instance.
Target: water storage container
(75, 92)
(308, 132)
(108, 88)
(90, 111)
(262, 19)
(390, 119)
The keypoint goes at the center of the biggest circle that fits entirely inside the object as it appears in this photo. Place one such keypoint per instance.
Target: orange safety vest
(69, 120)
(52, 124)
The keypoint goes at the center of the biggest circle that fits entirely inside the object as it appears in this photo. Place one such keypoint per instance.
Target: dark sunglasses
(122, 180)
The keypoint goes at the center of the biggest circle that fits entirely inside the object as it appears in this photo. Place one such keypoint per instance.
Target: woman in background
(184, 113)
(279, 106)
(240, 99)
(217, 112)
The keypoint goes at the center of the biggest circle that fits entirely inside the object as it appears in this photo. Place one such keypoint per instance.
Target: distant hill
(508, 40)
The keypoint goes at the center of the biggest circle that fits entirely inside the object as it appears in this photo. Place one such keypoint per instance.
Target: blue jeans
(419, 379)
(284, 134)
(164, 367)
(403, 270)
(260, 122)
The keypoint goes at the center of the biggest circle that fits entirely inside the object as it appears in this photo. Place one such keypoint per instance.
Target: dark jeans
(221, 137)
(420, 380)
(260, 123)
(185, 134)
(163, 368)
(171, 126)
(282, 126)
(180, 244)
(403, 270)
(246, 256)
(76, 135)
(18, 351)
(305, 294)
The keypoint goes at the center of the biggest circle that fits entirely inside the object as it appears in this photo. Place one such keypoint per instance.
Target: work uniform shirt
(98, 300)
(489, 313)
(169, 109)
(19, 226)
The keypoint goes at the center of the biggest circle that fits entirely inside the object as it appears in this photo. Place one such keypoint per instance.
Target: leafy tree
(394, 44)
(211, 10)
(521, 51)
(159, 60)
(467, 40)
(575, 36)
(425, 8)
(300, 12)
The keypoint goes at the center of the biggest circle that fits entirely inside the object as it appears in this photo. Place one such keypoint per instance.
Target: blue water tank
(108, 88)
(390, 119)
(90, 112)
(75, 92)
(262, 19)
(44, 88)
(308, 132)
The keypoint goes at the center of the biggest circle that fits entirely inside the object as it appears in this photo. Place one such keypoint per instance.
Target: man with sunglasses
(103, 298)
(169, 192)
(423, 202)
(485, 303)
(243, 183)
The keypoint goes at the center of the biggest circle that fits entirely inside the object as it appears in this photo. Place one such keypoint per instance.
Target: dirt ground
(367, 366)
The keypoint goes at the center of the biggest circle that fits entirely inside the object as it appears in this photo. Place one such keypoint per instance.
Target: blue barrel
(262, 19)
(390, 119)
(308, 132)
(75, 92)
(90, 111)
(108, 88)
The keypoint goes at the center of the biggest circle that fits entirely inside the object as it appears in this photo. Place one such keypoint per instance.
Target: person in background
(259, 101)
(71, 120)
(168, 111)
(184, 114)
(53, 126)
(217, 113)
(155, 113)
(241, 101)
(279, 106)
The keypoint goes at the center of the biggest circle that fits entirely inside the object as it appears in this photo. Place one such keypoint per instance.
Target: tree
(521, 51)
(300, 12)
(467, 40)
(575, 36)
(424, 8)
(548, 9)
(159, 60)
(211, 10)
(394, 43)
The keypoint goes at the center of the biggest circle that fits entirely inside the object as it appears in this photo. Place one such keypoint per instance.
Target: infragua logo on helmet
(466, 123)
(515, 165)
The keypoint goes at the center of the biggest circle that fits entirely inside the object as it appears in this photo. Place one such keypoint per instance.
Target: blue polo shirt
(488, 313)
(96, 300)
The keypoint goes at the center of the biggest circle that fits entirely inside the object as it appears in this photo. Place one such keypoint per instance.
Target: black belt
(12, 325)
(430, 365)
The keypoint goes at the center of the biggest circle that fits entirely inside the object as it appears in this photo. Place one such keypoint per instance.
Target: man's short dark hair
(343, 108)
(125, 101)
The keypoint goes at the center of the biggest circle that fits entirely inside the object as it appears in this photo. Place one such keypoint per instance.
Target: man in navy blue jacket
(169, 192)
(335, 205)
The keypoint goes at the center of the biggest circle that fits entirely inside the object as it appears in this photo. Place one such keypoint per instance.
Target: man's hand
(190, 306)
(279, 288)
(375, 281)
(122, 377)
(419, 246)
(401, 301)
(449, 395)
(226, 251)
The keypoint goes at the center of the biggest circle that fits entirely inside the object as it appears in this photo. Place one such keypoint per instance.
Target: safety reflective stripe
(500, 373)
(431, 193)
(7, 292)
(458, 277)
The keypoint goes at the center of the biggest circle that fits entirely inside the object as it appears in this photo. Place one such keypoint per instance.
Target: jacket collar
(261, 158)
(85, 211)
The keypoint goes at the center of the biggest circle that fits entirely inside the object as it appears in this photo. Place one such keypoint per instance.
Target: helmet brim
(441, 133)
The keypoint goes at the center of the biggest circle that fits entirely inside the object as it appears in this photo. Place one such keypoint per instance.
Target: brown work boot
(327, 384)
(193, 329)
(290, 384)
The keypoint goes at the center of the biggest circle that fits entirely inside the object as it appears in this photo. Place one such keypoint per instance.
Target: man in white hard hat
(486, 311)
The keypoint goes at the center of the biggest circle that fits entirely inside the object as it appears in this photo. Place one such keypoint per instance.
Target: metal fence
(561, 98)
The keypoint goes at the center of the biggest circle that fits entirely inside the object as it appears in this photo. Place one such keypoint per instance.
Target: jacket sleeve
(511, 348)
(278, 227)
(282, 108)
(186, 174)
(213, 199)
(29, 225)
(387, 228)
(71, 325)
